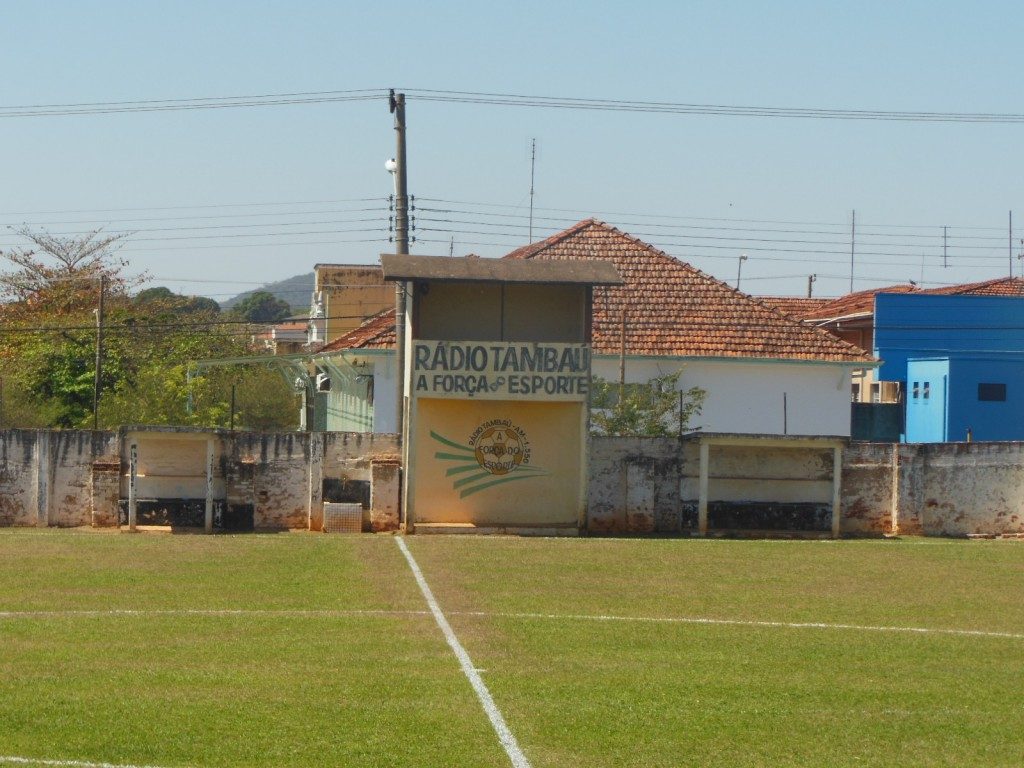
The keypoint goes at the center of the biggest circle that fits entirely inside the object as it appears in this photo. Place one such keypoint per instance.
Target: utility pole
(1010, 243)
(533, 162)
(810, 284)
(853, 240)
(99, 356)
(945, 260)
(739, 269)
(396, 103)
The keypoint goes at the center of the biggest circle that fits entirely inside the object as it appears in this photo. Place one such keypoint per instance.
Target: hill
(295, 290)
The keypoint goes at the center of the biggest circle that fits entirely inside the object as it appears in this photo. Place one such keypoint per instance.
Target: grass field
(315, 650)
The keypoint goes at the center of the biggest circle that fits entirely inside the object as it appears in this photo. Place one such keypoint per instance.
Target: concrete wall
(46, 476)
(636, 485)
(651, 485)
(78, 477)
(935, 489)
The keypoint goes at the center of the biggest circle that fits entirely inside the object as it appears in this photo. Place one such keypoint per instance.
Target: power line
(503, 99)
(684, 108)
(664, 216)
(199, 207)
(178, 105)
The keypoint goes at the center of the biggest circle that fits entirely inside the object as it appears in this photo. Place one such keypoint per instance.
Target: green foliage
(654, 409)
(48, 348)
(164, 298)
(262, 307)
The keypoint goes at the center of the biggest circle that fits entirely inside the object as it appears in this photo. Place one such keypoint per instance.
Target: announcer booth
(497, 383)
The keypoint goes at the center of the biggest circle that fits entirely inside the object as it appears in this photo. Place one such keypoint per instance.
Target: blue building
(960, 360)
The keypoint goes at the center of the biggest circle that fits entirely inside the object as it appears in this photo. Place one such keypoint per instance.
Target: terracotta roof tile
(857, 303)
(1002, 286)
(670, 307)
(377, 332)
(793, 306)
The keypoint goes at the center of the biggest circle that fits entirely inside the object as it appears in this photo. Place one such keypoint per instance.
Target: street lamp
(739, 270)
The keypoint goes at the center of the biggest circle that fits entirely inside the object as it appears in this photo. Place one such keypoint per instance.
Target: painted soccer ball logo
(499, 450)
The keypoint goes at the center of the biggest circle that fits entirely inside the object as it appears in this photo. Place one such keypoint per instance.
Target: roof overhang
(476, 270)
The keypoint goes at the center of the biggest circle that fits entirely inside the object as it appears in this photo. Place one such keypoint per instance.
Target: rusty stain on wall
(636, 485)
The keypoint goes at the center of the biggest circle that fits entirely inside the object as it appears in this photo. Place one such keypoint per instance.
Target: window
(856, 393)
(992, 392)
(916, 389)
(926, 391)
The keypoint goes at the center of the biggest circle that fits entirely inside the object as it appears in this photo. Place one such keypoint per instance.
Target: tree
(654, 409)
(165, 298)
(48, 337)
(262, 307)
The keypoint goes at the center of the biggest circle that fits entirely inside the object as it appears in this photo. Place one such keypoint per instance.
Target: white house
(764, 373)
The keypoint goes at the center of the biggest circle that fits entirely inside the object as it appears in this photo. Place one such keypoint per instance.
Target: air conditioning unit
(890, 392)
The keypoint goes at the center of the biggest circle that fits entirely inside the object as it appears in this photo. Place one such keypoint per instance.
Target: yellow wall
(351, 293)
(541, 488)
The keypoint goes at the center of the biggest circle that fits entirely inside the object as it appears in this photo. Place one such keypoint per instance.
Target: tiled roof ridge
(578, 227)
(532, 249)
(954, 290)
(528, 252)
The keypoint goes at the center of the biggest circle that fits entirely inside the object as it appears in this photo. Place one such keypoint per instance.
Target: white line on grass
(745, 623)
(12, 760)
(86, 613)
(327, 613)
(508, 741)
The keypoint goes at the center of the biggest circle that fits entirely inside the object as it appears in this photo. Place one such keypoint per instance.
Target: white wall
(746, 396)
(384, 393)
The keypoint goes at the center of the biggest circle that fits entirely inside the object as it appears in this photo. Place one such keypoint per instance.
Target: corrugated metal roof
(471, 269)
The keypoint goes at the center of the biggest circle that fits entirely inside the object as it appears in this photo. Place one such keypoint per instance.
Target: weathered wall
(271, 472)
(634, 485)
(18, 471)
(46, 476)
(934, 489)
(76, 477)
(650, 485)
(353, 457)
(867, 491)
(967, 488)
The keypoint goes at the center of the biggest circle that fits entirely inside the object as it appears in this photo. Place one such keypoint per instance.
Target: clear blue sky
(634, 170)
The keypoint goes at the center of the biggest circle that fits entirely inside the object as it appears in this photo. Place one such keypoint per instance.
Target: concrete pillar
(208, 520)
(385, 492)
(837, 487)
(315, 508)
(702, 489)
(894, 524)
(43, 478)
(133, 474)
